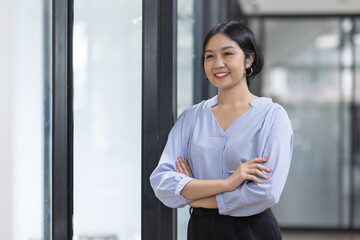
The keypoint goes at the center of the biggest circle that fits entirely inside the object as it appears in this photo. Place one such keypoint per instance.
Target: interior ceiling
(300, 6)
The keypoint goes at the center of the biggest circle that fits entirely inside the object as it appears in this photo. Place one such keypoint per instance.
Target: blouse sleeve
(165, 181)
(251, 197)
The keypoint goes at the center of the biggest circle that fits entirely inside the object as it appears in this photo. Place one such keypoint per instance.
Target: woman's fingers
(257, 160)
(260, 167)
(188, 168)
(255, 179)
(258, 173)
(183, 167)
(253, 170)
(179, 166)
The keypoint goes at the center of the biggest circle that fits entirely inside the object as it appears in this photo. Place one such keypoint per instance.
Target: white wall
(300, 6)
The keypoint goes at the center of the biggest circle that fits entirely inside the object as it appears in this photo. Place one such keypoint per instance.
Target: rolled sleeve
(167, 187)
(165, 181)
(245, 201)
(182, 184)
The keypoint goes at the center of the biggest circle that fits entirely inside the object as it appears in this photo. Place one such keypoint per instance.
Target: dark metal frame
(62, 120)
(233, 11)
(354, 109)
(159, 65)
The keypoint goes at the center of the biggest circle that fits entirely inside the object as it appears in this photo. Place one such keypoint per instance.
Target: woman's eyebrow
(223, 48)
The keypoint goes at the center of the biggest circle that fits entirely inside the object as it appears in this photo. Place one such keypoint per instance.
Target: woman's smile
(221, 75)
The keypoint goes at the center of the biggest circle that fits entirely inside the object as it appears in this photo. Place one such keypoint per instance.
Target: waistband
(215, 212)
(204, 211)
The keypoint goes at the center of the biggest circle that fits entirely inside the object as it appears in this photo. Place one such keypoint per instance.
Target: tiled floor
(293, 235)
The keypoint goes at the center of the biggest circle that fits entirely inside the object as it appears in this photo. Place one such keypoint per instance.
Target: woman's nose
(219, 62)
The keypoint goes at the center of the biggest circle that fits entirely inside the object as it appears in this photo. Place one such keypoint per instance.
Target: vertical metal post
(62, 120)
(233, 11)
(341, 162)
(47, 104)
(158, 109)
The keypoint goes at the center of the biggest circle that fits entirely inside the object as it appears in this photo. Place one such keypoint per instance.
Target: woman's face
(224, 62)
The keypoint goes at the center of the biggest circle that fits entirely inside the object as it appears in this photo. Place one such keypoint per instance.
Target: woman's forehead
(220, 41)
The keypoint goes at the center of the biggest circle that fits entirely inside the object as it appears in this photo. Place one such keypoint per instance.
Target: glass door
(107, 119)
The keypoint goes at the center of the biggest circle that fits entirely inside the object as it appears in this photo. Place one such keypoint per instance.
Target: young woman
(228, 157)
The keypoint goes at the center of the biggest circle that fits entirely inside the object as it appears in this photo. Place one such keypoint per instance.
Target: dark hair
(246, 40)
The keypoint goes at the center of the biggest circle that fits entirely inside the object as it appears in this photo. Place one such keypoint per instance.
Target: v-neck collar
(214, 101)
(255, 101)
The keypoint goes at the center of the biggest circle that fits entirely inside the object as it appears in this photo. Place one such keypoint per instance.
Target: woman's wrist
(233, 182)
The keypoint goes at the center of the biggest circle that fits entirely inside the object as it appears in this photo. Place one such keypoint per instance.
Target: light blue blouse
(263, 131)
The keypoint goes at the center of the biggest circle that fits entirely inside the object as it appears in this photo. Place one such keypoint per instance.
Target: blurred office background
(312, 68)
(311, 51)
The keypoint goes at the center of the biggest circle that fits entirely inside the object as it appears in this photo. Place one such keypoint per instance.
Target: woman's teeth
(221, 74)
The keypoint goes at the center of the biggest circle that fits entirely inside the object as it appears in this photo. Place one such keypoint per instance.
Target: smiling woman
(235, 39)
(224, 62)
(228, 157)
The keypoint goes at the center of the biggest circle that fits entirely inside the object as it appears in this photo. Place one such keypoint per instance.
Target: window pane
(302, 73)
(184, 81)
(185, 54)
(22, 121)
(107, 115)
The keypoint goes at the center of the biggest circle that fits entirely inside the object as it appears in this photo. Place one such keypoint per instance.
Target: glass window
(303, 73)
(185, 54)
(24, 214)
(184, 81)
(107, 119)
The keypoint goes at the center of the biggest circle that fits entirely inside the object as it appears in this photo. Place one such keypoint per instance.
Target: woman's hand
(250, 170)
(182, 166)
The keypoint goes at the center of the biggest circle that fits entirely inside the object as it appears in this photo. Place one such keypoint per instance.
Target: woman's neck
(235, 96)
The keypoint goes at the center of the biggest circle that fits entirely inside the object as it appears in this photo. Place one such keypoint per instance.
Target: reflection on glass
(185, 81)
(22, 120)
(107, 119)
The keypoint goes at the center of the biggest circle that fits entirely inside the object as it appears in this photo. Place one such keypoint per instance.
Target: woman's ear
(250, 60)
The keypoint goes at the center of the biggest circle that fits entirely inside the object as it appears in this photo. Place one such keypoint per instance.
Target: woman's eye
(227, 53)
(209, 56)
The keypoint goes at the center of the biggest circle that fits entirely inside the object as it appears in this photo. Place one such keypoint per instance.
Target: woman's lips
(221, 75)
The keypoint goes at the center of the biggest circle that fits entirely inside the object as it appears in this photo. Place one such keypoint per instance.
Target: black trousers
(208, 224)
